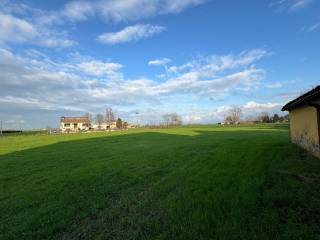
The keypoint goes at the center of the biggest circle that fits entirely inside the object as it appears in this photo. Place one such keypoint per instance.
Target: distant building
(74, 124)
(129, 126)
(304, 114)
(104, 126)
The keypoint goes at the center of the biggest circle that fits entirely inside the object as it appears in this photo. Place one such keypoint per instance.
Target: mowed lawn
(197, 182)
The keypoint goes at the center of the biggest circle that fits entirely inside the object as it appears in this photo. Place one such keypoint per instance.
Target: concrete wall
(304, 128)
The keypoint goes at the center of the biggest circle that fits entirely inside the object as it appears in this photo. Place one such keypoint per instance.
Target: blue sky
(194, 57)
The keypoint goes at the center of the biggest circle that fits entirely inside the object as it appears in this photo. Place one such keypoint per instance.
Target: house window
(67, 125)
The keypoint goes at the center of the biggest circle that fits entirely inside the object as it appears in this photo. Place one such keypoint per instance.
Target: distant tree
(284, 118)
(228, 120)
(175, 119)
(125, 125)
(235, 114)
(119, 123)
(49, 130)
(89, 116)
(109, 117)
(166, 119)
(99, 120)
(275, 118)
(172, 119)
(250, 118)
(264, 117)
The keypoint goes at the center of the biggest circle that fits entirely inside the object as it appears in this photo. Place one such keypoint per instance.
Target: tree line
(235, 114)
(108, 118)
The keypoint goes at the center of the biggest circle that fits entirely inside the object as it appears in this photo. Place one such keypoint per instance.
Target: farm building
(74, 124)
(104, 125)
(304, 113)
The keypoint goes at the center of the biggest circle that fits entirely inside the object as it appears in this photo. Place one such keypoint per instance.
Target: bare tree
(228, 120)
(166, 119)
(49, 130)
(172, 119)
(175, 119)
(89, 116)
(235, 114)
(99, 120)
(109, 117)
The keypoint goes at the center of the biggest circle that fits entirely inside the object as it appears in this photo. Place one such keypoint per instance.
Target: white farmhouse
(74, 124)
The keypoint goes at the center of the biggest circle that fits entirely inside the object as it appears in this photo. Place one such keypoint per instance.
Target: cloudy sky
(151, 57)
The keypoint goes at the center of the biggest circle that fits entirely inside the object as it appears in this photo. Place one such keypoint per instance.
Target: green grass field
(196, 182)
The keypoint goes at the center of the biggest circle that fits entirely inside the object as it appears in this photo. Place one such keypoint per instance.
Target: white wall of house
(73, 127)
(65, 127)
(103, 126)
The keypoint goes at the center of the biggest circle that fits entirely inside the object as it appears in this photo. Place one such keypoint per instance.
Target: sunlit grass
(193, 182)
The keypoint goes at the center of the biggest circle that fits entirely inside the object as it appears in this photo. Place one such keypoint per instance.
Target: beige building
(104, 126)
(74, 124)
(304, 113)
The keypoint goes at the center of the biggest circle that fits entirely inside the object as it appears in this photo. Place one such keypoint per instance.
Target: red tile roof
(75, 120)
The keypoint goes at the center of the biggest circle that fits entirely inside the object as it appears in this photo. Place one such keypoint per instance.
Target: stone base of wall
(313, 148)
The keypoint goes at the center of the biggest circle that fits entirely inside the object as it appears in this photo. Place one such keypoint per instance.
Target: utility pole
(1, 127)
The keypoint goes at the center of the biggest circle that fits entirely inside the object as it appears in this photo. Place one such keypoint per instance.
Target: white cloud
(36, 76)
(22, 23)
(131, 33)
(250, 109)
(192, 82)
(14, 29)
(211, 71)
(260, 107)
(159, 62)
(291, 5)
(99, 68)
(274, 85)
(33, 82)
(300, 4)
(312, 28)
(79, 10)
(117, 11)
(56, 42)
(197, 116)
(211, 65)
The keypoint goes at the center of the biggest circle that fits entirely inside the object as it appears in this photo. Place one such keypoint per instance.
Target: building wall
(104, 126)
(81, 126)
(304, 128)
